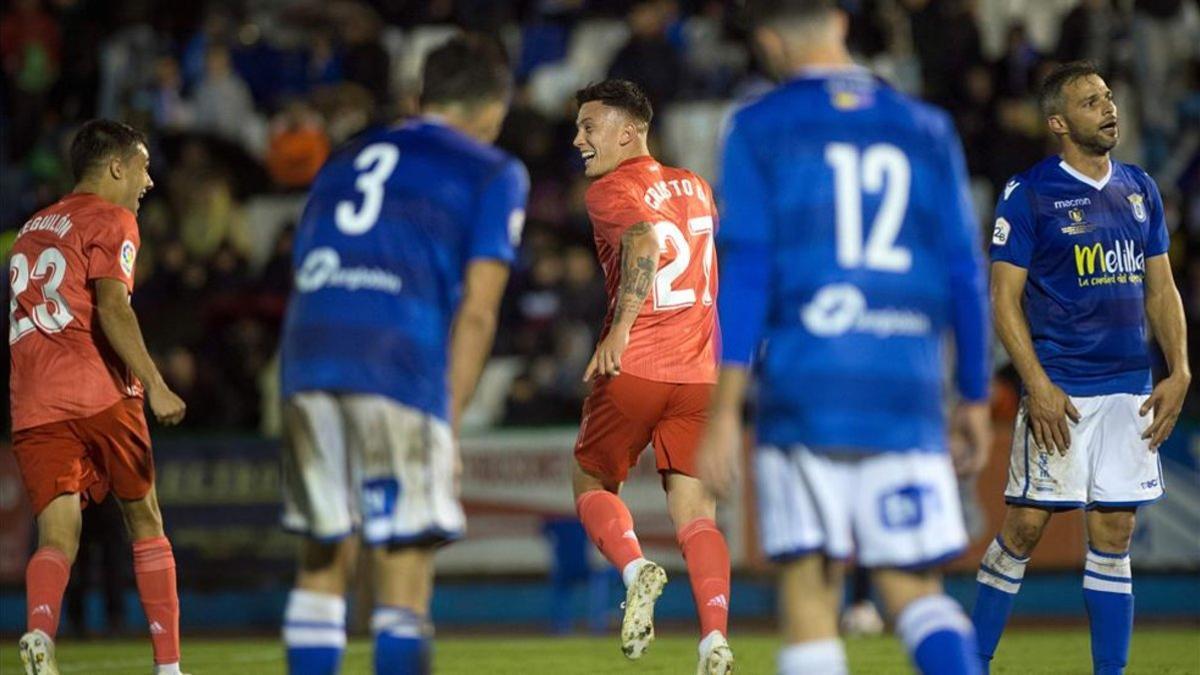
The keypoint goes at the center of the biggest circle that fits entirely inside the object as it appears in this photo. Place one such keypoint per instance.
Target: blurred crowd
(244, 100)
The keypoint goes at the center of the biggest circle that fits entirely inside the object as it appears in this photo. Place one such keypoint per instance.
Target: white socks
(826, 657)
(630, 572)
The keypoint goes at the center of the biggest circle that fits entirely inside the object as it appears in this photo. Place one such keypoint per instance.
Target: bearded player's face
(601, 133)
(1090, 115)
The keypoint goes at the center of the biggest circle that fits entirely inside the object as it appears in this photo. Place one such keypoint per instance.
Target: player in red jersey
(655, 366)
(79, 373)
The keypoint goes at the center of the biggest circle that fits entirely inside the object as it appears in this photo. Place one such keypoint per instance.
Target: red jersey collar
(637, 161)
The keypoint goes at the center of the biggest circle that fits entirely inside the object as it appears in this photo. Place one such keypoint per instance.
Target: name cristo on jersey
(663, 190)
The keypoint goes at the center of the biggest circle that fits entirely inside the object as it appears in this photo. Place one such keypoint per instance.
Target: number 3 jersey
(62, 366)
(380, 256)
(850, 250)
(673, 338)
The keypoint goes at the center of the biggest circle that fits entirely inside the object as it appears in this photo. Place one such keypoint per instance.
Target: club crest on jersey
(1139, 207)
(128, 255)
(1077, 226)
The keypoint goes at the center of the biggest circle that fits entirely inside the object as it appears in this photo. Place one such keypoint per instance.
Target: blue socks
(938, 636)
(314, 632)
(1108, 594)
(402, 642)
(1000, 575)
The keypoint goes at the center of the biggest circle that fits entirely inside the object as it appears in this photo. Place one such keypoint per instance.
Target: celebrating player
(401, 258)
(849, 248)
(79, 373)
(654, 368)
(1079, 262)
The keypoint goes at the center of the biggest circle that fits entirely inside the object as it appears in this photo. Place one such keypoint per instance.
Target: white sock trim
(928, 615)
(629, 573)
(400, 622)
(1001, 570)
(827, 657)
(311, 607)
(1107, 572)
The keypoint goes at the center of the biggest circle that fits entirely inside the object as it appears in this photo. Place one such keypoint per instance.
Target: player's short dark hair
(1050, 97)
(621, 94)
(771, 12)
(468, 69)
(98, 140)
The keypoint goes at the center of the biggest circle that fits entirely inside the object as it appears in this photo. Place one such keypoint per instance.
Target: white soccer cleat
(637, 627)
(37, 653)
(862, 619)
(718, 660)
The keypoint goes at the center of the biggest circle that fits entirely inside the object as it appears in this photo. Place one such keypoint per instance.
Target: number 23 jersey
(673, 338)
(62, 366)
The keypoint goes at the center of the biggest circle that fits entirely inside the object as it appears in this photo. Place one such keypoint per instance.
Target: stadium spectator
(222, 100)
(297, 147)
(649, 58)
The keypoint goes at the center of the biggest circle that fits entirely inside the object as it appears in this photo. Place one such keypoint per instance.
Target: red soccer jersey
(673, 338)
(62, 365)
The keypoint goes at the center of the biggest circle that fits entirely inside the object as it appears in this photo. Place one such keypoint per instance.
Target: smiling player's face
(601, 134)
(135, 174)
(1090, 115)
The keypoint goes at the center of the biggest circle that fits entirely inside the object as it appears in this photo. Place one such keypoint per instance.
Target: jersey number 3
(376, 163)
(51, 315)
(879, 168)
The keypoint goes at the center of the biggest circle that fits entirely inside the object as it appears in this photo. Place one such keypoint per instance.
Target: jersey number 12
(878, 168)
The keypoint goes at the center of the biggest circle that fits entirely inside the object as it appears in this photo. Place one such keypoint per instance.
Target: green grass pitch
(1156, 651)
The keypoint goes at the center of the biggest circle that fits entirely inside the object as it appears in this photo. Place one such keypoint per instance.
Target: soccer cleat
(862, 619)
(637, 627)
(37, 653)
(718, 660)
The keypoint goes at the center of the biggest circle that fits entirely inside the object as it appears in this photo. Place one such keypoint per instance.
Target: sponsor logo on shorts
(1150, 484)
(907, 507)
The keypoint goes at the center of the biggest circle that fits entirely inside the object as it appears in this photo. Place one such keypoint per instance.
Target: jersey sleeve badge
(1001, 231)
(128, 256)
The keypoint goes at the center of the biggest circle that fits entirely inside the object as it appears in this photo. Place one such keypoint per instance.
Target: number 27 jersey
(673, 338)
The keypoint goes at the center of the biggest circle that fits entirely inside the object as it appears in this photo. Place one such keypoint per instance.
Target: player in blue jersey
(849, 248)
(1079, 263)
(400, 260)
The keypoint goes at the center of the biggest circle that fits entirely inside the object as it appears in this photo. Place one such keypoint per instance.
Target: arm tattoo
(637, 273)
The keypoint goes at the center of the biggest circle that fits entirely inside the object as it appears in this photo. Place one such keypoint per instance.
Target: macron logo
(1008, 189)
(718, 601)
(42, 609)
(156, 628)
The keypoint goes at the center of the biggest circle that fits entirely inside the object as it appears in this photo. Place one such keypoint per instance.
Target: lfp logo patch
(1139, 207)
(128, 256)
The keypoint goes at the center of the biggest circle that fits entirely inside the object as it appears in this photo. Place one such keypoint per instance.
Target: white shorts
(898, 509)
(361, 460)
(1108, 463)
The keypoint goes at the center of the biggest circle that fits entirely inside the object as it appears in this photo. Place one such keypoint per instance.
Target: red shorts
(88, 456)
(625, 413)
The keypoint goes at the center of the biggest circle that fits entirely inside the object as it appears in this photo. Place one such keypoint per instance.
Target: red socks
(707, 556)
(46, 578)
(609, 525)
(154, 568)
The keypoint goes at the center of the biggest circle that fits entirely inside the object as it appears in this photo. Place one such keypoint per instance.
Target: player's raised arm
(745, 257)
(969, 316)
(1012, 251)
(474, 329)
(120, 326)
(639, 262)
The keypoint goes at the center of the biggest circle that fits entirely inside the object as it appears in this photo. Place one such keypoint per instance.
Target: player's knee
(1022, 532)
(1112, 532)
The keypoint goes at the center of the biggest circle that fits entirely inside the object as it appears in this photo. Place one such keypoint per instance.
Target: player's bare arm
(120, 326)
(473, 331)
(1164, 308)
(721, 448)
(1048, 406)
(639, 262)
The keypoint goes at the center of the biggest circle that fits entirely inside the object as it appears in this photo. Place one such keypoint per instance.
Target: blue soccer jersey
(380, 257)
(849, 248)
(1085, 245)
